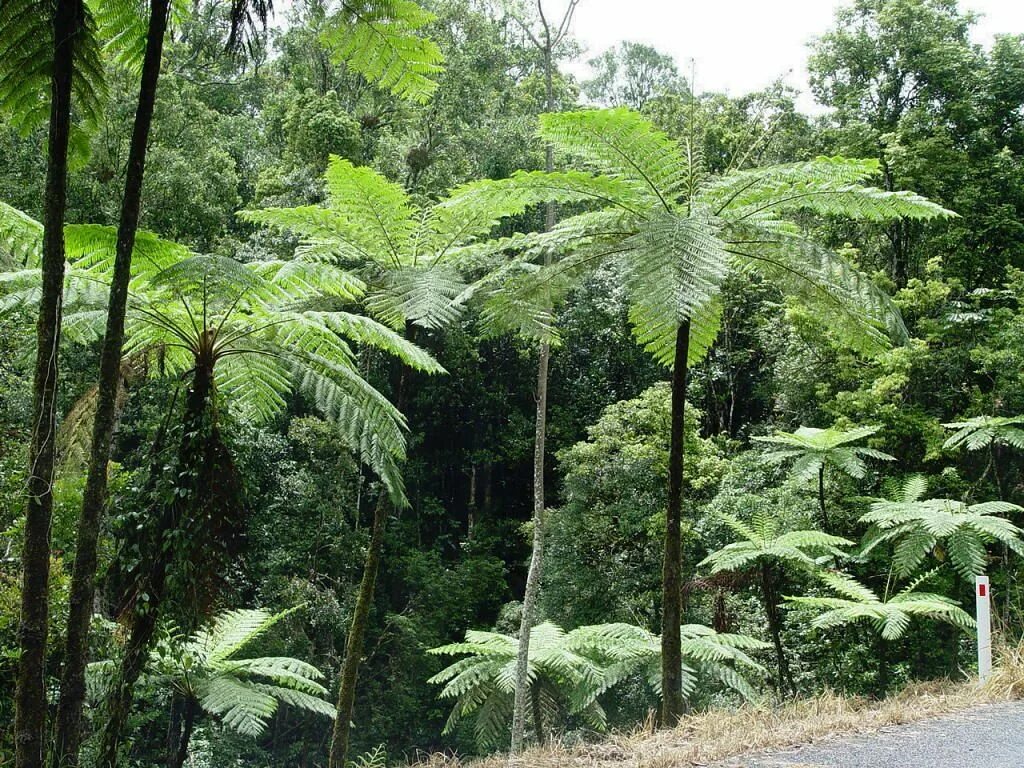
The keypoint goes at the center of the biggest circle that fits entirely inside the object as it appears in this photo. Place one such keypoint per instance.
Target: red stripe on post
(982, 589)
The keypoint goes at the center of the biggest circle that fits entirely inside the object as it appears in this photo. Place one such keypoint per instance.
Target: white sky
(739, 46)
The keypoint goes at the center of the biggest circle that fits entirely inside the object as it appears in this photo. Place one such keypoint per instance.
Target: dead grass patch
(719, 734)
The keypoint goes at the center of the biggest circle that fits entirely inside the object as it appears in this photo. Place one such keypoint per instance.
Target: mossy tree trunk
(30, 687)
(83, 580)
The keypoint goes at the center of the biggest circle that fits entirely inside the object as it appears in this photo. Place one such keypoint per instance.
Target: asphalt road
(990, 736)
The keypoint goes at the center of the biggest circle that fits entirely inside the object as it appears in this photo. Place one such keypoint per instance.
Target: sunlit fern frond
(673, 268)
(385, 42)
(827, 186)
(916, 527)
(762, 539)
(826, 285)
(21, 239)
(422, 296)
(26, 63)
(891, 618)
(622, 144)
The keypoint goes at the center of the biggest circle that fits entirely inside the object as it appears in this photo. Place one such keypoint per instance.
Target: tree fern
(762, 539)
(982, 431)
(568, 671)
(890, 617)
(408, 254)
(916, 527)
(253, 319)
(811, 449)
(743, 218)
(383, 41)
(209, 669)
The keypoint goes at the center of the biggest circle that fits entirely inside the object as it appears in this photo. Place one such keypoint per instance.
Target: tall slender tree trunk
(83, 581)
(672, 704)
(533, 577)
(821, 496)
(356, 636)
(30, 691)
(349, 674)
(533, 574)
(147, 613)
(771, 609)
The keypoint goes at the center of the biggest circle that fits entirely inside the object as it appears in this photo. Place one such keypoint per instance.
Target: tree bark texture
(30, 687)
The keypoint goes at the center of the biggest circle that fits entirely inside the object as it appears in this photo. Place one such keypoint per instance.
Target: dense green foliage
(348, 205)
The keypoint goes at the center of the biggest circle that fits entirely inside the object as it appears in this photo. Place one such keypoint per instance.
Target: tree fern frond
(383, 41)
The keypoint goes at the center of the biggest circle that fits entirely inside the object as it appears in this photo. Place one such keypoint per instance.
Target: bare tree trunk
(533, 576)
(356, 637)
(349, 674)
(83, 581)
(528, 618)
(672, 704)
(30, 691)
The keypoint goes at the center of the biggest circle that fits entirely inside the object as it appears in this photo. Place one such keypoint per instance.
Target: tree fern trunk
(672, 706)
(30, 691)
(771, 609)
(538, 715)
(72, 688)
(821, 496)
(150, 586)
(177, 755)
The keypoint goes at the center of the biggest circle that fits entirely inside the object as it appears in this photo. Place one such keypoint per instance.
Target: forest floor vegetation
(717, 734)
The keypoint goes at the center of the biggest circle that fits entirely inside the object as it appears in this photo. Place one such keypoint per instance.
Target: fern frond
(383, 41)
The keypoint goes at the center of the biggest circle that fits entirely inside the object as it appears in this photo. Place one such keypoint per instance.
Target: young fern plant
(625, 651)
(812, 450)
(762, 546)
(994, 433)
(482, 683)
(674, 233)
(889, 616)
(952, 530)
(210, 672)
(568, 672)
(981, 432)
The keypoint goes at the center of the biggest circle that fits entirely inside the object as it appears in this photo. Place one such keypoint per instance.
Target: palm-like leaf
(982, 431)
(917, 526)
(891, 618)
(812, 449)
(577, 667)
(209, 668)
(383, 41)
(677, 233)
(408, 254)
(259, 322)
(763, 540)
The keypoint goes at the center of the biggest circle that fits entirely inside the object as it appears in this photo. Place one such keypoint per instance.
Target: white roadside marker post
(983, 613)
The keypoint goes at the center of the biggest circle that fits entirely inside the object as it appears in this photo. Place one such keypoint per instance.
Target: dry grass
(1007, 681)
(716, 735)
